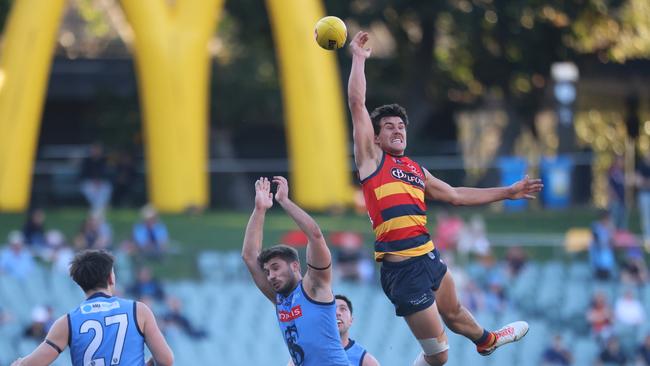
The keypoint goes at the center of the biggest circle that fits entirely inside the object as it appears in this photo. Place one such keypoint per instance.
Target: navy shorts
(410, 284)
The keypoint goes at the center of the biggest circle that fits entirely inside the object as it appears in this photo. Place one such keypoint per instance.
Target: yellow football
(330, 33)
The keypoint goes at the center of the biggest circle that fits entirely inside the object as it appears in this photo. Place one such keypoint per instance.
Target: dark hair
(387, 110)
(284, 252)
(91, 268)
(344, 298)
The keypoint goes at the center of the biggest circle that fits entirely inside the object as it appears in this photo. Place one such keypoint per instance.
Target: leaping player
(305, 306)
(394, 187)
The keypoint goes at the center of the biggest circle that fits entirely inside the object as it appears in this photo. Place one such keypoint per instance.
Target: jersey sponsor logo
(294, 313)
(98, 307)
(405, 177)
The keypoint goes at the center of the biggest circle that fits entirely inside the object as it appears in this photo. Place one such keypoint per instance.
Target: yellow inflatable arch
(172, 64)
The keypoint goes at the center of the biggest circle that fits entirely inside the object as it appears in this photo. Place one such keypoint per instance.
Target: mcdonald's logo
(172, 65)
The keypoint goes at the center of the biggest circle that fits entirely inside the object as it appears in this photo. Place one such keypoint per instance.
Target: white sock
(420, 361)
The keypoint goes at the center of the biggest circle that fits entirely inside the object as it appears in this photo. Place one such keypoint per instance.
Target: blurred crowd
(483, 276)
(41, 243)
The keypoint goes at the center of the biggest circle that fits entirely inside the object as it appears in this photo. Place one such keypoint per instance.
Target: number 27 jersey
(104, 331)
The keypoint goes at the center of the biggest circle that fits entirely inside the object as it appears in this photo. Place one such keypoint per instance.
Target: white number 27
(122, 321)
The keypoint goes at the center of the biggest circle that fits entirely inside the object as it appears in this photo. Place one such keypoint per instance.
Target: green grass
(224, 230)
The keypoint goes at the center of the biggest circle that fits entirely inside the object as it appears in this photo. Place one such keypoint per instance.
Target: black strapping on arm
(53, 345)
(319, 269)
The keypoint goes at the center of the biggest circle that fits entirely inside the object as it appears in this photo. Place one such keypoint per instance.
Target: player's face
(392, 135)
(281, 275)
(343, 316)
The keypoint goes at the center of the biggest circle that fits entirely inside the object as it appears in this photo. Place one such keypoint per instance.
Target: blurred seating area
(222, 319)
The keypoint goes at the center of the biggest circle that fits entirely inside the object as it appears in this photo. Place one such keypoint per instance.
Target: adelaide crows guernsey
(104, 331)
(309, 330)
(394, 196)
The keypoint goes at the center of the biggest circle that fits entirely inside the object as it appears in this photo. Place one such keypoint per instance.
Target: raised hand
(358, 44)
(282, 191)
(263, 196)
(525, 188)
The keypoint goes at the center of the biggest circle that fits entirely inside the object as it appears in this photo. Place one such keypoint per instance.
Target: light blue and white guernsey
(309, 330)
(355, 352)
(104, 331)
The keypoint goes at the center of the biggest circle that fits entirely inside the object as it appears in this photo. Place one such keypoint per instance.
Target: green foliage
(617, 30)
(96, 21)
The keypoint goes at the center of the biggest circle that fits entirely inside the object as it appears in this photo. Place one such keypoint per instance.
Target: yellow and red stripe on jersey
(394, 196)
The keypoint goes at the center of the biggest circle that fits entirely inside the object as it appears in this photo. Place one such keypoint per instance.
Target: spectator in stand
(472, 297)
(473, 238)
(95, 233)
(516, 259)
(557, 354)
(175, 318)
(95, 184)
(16, 260)
(643, 196)
(147, 286)
(124, 178)
(34, 229)
(41, 322)
(599, 317)
(634, 270)
(60, 253)
(616, 180)
(628, 310)
(643, 353)
(150, 235)
(612, 354)
(496, 300)
(601, 249)
(352, 262)
(448, 230)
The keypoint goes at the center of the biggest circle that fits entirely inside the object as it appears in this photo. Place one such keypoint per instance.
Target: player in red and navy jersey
(395, 187)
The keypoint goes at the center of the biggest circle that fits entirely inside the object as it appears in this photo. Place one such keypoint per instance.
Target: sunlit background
(186, 103)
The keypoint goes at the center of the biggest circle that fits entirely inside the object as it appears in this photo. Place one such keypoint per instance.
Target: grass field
(221, 230)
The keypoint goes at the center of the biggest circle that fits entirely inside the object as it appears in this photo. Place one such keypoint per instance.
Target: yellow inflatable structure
(25, 62)
(173, 68)
(313, 107)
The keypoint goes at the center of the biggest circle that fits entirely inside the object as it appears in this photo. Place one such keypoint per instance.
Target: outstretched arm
(319, 259)
(366, 154)
(438, 190)
(48, 351)
(253, 237)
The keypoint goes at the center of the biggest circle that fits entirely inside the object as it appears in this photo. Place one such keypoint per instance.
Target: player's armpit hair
(53, 345)
(319, 269)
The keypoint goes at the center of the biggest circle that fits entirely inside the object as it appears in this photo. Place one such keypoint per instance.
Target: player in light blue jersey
(357, 355)
(305, 306)
(105, 329)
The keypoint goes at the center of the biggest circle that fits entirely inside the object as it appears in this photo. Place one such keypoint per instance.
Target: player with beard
(395, 187)
(305, 306)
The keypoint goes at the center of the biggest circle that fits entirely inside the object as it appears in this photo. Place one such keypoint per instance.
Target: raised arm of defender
(366, 153)
(253, 237)
(318, 279)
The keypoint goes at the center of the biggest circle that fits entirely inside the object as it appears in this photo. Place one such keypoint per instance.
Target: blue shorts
(410, 284)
